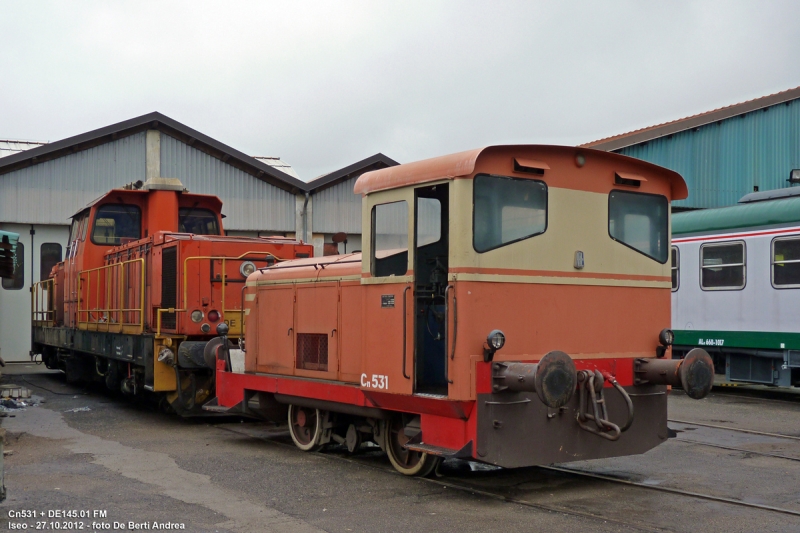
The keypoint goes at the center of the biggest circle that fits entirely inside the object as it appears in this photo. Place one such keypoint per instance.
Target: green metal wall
(723, 161)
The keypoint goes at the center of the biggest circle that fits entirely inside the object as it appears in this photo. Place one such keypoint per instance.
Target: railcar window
(640, 221)
(197, 221)
(676, 268)
(786, 262)
(16, 282)
(50, 256)
(390, 239)
(506, 210)
(116, 224)
(723, 266)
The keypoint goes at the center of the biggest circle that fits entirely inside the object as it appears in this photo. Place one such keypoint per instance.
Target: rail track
(460, 484)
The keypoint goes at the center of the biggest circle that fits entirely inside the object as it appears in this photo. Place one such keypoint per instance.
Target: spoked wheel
(405, 461)
(305, 427)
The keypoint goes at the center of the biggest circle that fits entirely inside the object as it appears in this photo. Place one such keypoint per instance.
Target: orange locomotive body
(148, 276)
(510, 306)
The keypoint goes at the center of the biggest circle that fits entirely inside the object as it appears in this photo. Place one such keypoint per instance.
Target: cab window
(117, 224)
(506, 210)
(641, 222)
(197, 221)
(389, 239)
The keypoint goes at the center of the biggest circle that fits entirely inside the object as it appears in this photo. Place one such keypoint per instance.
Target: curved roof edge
(735, 217)
(463, 164)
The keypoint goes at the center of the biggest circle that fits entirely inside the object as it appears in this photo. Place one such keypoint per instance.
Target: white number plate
(711, 342)
(377, 381)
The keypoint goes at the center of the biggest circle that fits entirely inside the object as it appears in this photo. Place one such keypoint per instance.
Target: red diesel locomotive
(148, 276)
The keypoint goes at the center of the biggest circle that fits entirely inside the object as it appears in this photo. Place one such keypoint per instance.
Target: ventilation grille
(312, 351)
(169, 285)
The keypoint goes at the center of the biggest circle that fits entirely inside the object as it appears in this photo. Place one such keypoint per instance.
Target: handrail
(41, 296)
(120, 311)
(447, 334)
(405, 331)
(222, 280)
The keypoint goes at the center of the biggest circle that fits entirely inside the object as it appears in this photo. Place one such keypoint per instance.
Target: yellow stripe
(553, 280)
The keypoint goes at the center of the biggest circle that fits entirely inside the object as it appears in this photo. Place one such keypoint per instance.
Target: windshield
(639, 221)
(197, 221)
(117, 224)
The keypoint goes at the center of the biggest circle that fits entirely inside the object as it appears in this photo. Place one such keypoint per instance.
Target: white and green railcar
(736, 287)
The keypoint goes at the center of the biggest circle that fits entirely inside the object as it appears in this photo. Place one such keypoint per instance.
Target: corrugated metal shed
(337, 209)
(335, 206)
(249, 204)
(11, 147)
(52, 191)
(723, 154)
(725, 160)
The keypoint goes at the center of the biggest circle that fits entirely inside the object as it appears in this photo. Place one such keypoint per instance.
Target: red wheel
(407, 462)
(305, 427)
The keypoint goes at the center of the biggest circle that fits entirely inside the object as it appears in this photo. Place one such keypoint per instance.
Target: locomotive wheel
(305, 427)
(407, 462)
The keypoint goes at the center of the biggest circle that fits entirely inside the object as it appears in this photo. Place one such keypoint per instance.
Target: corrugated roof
(668, 128)
(374, 162)
(736, 217)
(155, 120)
(275, 162)
(11, 147)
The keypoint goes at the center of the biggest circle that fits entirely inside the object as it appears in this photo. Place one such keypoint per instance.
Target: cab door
(387, 282)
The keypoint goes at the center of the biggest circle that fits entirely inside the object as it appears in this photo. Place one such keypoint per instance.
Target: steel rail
(457, 486)
(751, 431)
(720, 499)
(733, 448)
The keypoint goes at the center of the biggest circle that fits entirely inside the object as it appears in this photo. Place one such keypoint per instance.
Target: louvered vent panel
(312, 351)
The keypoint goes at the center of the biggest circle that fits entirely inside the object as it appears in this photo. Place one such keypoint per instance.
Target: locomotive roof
(751, 215)
(462, 164)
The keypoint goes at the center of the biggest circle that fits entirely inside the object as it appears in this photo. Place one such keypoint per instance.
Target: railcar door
(431, 247)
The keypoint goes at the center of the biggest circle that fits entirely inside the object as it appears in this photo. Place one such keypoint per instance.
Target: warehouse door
(15, 295)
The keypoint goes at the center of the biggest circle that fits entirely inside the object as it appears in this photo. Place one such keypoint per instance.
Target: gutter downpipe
(305, 217)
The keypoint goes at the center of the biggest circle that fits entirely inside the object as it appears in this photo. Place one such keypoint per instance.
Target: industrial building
(43, 184)
(725, 153)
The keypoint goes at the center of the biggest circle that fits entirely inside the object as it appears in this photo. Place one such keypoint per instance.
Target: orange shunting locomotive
(510, 306)
(148, 276)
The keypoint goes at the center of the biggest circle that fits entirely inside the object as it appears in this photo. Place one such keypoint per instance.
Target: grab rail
(112, 318)
(223, 278)
(405, 331)
(42, 295)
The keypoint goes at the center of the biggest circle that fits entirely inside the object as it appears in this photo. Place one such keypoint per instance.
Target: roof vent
(163, 184)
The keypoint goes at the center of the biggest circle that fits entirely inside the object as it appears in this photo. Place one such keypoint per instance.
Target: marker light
(494, 341)
(247, 268)
(666, 337)
(197, 315)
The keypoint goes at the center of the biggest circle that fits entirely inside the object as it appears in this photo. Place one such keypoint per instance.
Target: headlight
(496, 339)
(247, 268)
(666, 337)
(197, 315)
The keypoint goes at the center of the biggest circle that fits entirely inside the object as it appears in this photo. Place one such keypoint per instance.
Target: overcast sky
(325, 84)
